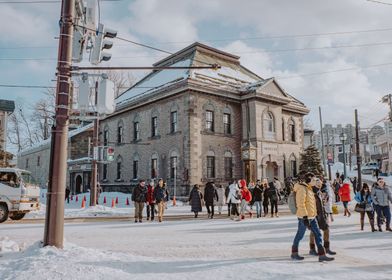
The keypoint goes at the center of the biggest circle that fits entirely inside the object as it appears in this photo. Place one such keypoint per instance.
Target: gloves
(306, 222)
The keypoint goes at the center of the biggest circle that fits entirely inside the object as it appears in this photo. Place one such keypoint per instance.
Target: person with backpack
(195, 198)
(139, 197)
(210, 196)
(273, 196)
(364, 206)
(381, 196)
(258, 198)
(234, 199)
(161, 196)
(221, 198)
(150, 201)
(322, 221)
(306, 212)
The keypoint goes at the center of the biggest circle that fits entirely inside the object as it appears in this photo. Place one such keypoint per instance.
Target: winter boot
(312, 250)
(379, 229)
(294, 254)
(250, 215)
(322, 256)
(327, 249)
(372, 225)
(276, 215)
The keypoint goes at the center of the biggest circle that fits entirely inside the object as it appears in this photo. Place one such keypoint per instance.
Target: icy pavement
(194, 249)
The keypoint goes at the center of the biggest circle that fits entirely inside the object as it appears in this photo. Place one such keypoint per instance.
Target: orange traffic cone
(83, 204)
(77, 199)
(113, 203)
(174, 201)
(104, 200)
(127, 203)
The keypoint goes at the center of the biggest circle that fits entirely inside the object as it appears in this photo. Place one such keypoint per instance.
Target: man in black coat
(210, 196)
(139, 197)
(258, 198)
(321, 220)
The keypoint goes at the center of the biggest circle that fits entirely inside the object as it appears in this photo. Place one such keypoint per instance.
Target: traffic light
(100, 43)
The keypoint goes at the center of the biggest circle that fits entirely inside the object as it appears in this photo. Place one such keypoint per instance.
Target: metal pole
(175, 180)
(329, 153)
(322, 141)
(344, 160)
(359, 160)
(54, 221)
(94, 166)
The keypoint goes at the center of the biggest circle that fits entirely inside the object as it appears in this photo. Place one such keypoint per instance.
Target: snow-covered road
(194, 249)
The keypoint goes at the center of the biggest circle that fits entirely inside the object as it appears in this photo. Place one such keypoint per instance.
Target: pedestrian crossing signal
(109, 153)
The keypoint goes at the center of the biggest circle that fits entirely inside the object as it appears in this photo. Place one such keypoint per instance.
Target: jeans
(274, 206)
(265, 206)
(258, 208)
(229, 205)
(301, 232)
(150, 211)
(345, 204)
(387, 214)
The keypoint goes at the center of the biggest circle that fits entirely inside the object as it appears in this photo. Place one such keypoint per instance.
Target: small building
(7, 107)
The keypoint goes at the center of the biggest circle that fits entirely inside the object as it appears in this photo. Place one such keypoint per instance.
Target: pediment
(273, 89)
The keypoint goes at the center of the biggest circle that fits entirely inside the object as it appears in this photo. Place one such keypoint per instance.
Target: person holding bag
(364, 206)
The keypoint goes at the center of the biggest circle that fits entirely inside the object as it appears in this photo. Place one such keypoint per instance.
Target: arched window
(228, 165)
(293, 165)
(269, 126)
(119, 167)
(154, 166)
(210, 164)
(106, 136)
(283, 130)
(292, 130)
(120, 132)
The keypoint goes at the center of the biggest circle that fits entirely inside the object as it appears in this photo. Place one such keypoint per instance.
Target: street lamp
(343, 138)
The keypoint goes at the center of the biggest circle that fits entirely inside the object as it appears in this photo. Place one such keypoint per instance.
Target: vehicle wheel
(18, 216)
(3, 213)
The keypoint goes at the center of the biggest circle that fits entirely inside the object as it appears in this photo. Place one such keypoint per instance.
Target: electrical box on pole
(84, 93)
(106, 92)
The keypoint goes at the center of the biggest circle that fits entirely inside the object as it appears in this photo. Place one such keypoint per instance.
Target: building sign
(269, 148)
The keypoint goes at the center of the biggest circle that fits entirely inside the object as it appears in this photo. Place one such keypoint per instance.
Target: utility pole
(359, 159)
(54, 220)
(322, 141)
(94, 171)
(329, 155)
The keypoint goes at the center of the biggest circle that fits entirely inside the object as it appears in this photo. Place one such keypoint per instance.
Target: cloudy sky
(335, 54)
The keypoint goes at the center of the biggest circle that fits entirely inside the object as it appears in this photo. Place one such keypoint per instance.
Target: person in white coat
(234, 198)
(328, 199)
(221, 198)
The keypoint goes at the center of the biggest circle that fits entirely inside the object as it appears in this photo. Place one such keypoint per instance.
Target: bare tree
(43, 115)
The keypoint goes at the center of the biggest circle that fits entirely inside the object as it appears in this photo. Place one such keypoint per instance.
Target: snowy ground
(192, 249)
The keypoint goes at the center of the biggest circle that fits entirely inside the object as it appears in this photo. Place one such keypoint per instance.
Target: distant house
(7, 107)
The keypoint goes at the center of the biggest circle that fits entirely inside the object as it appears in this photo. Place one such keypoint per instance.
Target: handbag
(360, 207)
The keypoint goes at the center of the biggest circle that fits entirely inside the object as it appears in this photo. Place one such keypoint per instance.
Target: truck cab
(18, 193)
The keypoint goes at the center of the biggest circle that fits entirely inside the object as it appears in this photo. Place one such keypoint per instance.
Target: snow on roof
(156, 80)
(45, 143)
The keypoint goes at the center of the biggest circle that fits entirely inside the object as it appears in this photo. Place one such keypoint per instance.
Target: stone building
(36, 159)
(198, 125)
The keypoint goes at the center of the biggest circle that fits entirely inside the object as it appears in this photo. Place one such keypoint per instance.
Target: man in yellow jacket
(306, 214)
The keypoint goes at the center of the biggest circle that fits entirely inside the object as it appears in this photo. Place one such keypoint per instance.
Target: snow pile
(7, 245)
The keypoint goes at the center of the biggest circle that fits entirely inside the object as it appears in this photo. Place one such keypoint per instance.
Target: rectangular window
(228, 168)
(119, 170)
(210, 167)
(105, 137)
(119, 134)
(154, 168)
(136, 133)
(227, 123)
(173, 167)
(173, 122)
(27, 163)
(105, 172)
(210, 121)
(135, 169)
(154, 126)
(292, 132)
(38, 160)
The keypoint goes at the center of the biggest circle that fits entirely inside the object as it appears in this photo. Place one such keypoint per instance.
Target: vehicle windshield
(27, 178)
(9, 178)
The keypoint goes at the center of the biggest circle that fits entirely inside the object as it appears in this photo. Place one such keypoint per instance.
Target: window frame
(211, 170)
(227, 123)
(173, 121)
(154, 126)
(136, 131)
(210, 121)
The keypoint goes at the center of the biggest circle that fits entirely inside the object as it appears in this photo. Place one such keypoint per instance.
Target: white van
(18, 193)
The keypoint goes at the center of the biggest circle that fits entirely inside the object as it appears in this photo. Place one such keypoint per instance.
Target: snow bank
(7, 245)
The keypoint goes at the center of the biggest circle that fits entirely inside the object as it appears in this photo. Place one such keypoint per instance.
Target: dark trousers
(150, 211)
(210, 210)
(337, 197)
(234, 209)
(265, 208)
(274, 206)
(383, 210)
(228, 208)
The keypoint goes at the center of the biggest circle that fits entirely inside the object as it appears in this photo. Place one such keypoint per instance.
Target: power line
(380, 2)
(43, 2)
(25, 86)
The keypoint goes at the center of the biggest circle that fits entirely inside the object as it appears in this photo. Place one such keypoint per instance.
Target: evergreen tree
(310, 161)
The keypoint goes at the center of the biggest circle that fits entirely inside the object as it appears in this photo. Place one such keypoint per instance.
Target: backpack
(160, 194)
(292, 201)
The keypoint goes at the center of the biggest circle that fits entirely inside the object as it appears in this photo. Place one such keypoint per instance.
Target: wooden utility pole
(359, 159)
(54, 221)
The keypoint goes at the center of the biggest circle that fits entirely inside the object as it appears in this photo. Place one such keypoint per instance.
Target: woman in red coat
(345, 197)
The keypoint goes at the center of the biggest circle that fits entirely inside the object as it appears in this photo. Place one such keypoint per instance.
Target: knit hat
(242, 183)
